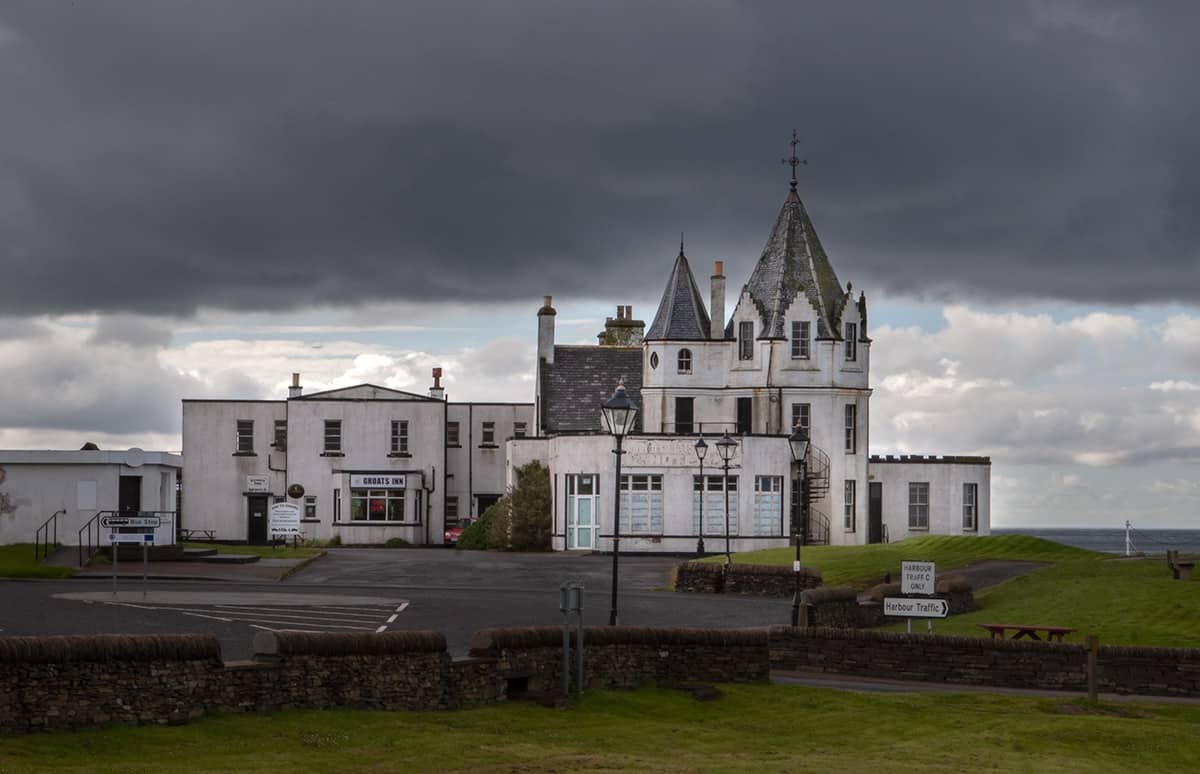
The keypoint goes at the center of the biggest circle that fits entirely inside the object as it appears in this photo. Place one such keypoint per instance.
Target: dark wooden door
(256, 520)
(875, 512)
(745, 415)
(684, 408)
(129, 494)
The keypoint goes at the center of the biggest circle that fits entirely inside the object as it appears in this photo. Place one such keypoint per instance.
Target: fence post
(1093, 648)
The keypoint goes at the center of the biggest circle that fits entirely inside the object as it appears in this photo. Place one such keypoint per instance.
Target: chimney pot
(718, 268)
(545, 300)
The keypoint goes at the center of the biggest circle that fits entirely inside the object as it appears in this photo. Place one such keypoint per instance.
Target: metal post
(1092, 643)
(115, 545)
(612, 615)
(566, 659)
(579, 646)
(703, 492)
(145, 562)
(725, 486)
(796, 533)
(1128, 542)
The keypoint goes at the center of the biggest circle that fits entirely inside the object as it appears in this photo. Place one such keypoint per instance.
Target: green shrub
(500, 525)
(475, 536)
(530, 509)
(396, 542)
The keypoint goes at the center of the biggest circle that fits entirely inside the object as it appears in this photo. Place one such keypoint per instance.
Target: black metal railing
(89, 546)
(817, 529)
(700, 428)
(46, 536)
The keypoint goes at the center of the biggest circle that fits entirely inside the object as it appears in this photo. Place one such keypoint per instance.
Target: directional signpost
(917, 578)
(145, 526)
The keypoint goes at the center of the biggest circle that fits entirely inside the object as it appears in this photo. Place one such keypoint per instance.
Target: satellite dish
(135, 457)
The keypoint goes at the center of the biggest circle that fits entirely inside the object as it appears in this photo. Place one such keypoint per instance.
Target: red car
(451, 536)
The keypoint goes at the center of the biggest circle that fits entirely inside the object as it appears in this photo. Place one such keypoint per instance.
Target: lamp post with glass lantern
(701, 450)
(798, 441)
(726, 447)
(619, 414)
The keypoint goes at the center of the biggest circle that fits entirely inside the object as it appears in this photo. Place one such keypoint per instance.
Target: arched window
(685, 361)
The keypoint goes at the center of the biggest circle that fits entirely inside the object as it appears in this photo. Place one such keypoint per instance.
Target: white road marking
(392, 620)
(287, 613)
(381, 629)
(211, 617)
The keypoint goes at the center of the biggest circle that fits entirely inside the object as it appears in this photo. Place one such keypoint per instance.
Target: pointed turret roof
(794, 260)
(681, 314)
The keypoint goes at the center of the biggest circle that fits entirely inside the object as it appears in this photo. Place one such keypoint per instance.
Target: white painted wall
(38, 483)
(945, 476)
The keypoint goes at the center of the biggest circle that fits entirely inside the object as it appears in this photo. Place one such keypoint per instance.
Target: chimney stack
(545, 317)
(295, 391)
(436, 391)
(716, 304)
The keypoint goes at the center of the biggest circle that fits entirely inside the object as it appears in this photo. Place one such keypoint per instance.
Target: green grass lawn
(16, 561)
(1124, 601)
(266, 552)
(864, 565)
(761, 728)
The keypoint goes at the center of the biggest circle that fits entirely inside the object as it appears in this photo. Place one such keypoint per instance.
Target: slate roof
(580, 379)
(793, 259)
(681, 315)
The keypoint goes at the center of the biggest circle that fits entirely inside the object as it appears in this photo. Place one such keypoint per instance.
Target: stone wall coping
(489, 641)
(296, 643)
(917, 640)
(110, 647)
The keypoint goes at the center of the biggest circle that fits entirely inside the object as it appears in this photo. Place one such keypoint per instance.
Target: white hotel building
(369, 464)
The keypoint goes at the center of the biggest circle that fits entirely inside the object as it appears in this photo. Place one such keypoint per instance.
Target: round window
(654, 360)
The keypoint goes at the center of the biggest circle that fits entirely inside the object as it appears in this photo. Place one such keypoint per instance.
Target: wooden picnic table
(1026, 630)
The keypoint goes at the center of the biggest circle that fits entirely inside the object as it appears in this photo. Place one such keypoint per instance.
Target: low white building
(365, 464)
(77, 485)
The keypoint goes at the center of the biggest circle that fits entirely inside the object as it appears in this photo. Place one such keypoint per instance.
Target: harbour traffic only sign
(906, 607)
(917, 578)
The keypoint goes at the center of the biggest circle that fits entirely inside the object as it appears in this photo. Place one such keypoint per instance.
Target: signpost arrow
(141, 522)
(903, 607)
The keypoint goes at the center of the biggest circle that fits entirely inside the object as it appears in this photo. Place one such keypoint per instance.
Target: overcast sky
(198, 198)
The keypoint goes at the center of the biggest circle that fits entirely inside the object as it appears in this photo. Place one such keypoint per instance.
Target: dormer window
(800, 338)
(746, 340)
(685, 361)
(851, 342)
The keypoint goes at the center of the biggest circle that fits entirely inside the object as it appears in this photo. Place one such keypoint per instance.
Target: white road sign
(915, 608)
(284, 519)
(130, 537)
(141, 522)
(917, 578)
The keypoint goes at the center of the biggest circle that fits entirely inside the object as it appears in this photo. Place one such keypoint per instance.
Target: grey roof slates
(580, 379)
(793, 259)
(681, 314)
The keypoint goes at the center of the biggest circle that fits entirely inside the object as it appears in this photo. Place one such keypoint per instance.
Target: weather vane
(793, 160)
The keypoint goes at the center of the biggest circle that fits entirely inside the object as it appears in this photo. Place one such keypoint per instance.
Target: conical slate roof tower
(793, 261)
(681, 314)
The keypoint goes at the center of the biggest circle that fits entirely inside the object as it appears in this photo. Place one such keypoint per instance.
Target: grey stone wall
(752, 579)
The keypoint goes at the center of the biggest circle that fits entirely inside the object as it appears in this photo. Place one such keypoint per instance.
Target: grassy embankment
(16, 561)
(761, 728)
(1124, 601)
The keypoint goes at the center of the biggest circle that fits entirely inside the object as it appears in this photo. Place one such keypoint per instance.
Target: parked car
(451, 536)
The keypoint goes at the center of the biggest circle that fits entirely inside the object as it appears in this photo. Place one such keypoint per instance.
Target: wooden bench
(1179, 570)
(1026, 630)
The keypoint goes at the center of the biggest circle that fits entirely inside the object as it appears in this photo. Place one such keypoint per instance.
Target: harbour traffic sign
(905, 607)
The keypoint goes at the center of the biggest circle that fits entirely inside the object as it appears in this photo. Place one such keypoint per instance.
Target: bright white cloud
(1172, 385)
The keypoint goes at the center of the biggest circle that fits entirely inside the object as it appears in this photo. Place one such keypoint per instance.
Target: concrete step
(190, 554)
(230, 559)
(63, 556)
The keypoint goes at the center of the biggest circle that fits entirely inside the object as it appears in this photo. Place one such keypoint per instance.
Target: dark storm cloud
(157, 157)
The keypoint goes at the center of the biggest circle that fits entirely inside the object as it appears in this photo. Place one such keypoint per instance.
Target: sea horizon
(1112, 539)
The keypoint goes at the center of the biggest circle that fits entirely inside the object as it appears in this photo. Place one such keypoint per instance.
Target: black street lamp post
(619, 414)
(701, 450)
(798, 441)
(726, 447)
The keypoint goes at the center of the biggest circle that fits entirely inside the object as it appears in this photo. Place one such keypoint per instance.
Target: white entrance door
(581, 511)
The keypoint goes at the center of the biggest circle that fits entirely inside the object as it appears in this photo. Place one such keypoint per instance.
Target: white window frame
(850, 505)
(487, 433)
(768, 505)
(851, 413)
(520, 429)
(918, 505)
(970, 520)
(453, 434)
(684, 361)
(641, 504)
(310, 506)
(851, 339)
(801, 336)
(244, 436)
(280, 440)
(746, 340)
(714, 505)
(451, 510)
(400, 436)
(333, 436)
(388, 497)
(802, 416)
